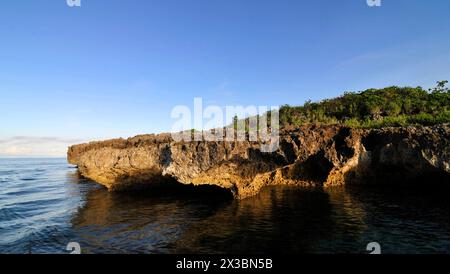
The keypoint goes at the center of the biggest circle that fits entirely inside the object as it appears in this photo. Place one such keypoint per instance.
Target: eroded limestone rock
(307, 156)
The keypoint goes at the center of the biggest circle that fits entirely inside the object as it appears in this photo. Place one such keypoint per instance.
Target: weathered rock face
(307, 156)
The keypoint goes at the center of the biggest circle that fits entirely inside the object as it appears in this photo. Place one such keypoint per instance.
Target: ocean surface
(44, 205)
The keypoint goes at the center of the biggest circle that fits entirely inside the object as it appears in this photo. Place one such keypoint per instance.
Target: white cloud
(24, 146)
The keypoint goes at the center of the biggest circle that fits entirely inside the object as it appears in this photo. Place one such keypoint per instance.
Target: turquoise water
(44, 205)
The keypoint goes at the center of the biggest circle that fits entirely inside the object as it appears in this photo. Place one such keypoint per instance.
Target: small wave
(14, 193)
(8, 214)
(8, 172)
(28, 179)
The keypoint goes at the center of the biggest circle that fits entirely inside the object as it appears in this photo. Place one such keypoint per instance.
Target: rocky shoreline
(309, 156)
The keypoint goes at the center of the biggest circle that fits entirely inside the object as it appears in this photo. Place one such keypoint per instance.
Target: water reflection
(278, 220)
(410, 219)
(137, 223)
(44, 205)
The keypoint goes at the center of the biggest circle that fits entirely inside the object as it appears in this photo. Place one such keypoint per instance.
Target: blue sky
(114, 68)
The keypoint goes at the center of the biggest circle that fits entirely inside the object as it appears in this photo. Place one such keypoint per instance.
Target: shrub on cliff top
(391, 106)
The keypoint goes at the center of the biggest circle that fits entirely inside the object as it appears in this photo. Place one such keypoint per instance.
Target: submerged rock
(310, 155)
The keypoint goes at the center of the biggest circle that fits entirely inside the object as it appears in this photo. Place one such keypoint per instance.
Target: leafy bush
(391, 106)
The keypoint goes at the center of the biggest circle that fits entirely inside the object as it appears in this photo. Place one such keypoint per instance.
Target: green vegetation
(375, 108)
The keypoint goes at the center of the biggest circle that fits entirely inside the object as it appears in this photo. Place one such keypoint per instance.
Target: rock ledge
(312, 155)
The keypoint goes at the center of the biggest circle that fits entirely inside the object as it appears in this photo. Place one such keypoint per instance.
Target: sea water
(45, 205)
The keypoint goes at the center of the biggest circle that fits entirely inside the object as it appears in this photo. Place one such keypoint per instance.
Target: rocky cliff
(318, 156)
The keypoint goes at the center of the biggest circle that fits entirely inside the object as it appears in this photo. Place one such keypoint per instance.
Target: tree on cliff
(391, 106)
